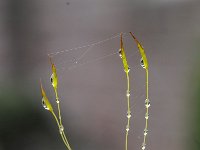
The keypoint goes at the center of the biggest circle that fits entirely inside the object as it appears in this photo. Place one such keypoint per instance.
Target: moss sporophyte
(54, 81)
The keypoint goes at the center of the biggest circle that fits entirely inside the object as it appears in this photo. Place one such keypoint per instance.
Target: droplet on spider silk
(44, 104)
(142, 63)
(120, 53)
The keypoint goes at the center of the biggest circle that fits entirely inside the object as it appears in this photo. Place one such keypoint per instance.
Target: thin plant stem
(60, 121)
(128, 110)
(58, 105)
(61, 132)
(147, 104)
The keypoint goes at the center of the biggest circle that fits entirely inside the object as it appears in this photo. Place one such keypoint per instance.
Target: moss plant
(144, 64)
(126, 69)
(54, 81)
(47, 105)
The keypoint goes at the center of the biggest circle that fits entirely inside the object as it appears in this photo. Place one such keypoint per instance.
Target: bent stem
(60, 119)
(62, 134)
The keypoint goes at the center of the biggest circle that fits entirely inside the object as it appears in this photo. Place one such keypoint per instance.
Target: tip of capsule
(121, 40)
(41, 87)
(134, 38)
(50, 59)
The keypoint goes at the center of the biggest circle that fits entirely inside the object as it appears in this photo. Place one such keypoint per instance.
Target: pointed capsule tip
(121, 40)
(50, 59)
(134, 38)
(41, 87)
(41, 83)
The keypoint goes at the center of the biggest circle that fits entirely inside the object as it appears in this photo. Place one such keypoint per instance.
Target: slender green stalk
(128, 110)
(54, 82)
(126, 69)
(144, 64)
(62, 134)
(61, 128)
(58, 106)
(147, 105)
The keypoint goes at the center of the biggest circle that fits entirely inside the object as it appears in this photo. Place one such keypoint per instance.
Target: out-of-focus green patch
(19, 117)
(193, 104)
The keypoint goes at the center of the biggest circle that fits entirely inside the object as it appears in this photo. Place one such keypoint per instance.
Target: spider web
(100, 61)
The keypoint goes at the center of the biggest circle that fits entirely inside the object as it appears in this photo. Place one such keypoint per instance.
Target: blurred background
(93, 101)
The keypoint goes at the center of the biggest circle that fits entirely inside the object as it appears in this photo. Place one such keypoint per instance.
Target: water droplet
(128, 114)
(44, 104)
(128, 93)
(147, 103)
(120, 53)
(145, 132)
(51, 79)
(143, 146)
(127, 128)
(127, 70)
(57, 101)
(61, 128)
(142, 63)
(146, 116)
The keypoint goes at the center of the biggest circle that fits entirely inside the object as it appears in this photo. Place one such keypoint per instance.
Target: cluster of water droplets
(128, 116)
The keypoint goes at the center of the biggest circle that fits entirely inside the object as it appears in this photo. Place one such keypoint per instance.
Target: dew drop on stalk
(44, 104)
(143, 146)
(129, 69)
(127, 93)
(146, 116)
(120, 53)
(142, 63)
(128, 114)
(61, 129)
(127, 128)
(51, 79)
(145, 132)
(147, 103)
